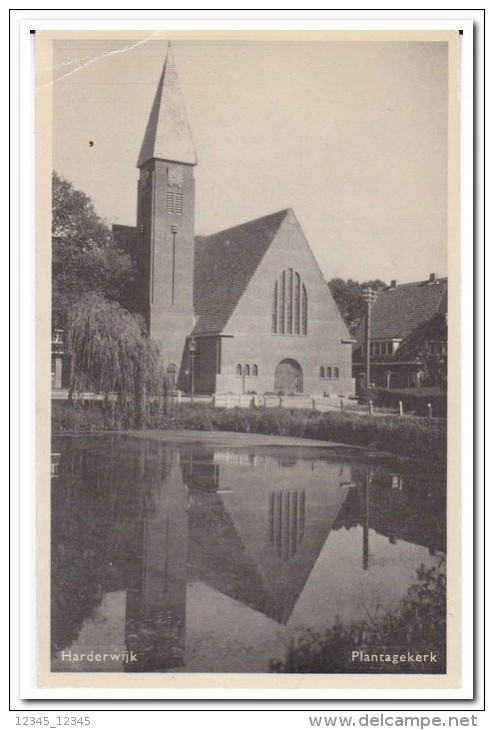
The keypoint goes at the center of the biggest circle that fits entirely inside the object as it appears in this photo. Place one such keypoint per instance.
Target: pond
(190, 557)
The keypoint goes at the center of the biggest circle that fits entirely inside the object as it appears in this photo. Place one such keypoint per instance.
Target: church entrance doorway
(288, 377)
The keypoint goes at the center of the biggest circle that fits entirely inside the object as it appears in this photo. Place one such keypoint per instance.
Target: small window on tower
(179, 203)
(169, 202)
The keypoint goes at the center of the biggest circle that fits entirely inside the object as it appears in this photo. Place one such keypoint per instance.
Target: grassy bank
(417, 625)
(422, 438)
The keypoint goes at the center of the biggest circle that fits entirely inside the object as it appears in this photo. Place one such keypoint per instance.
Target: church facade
(245, 310)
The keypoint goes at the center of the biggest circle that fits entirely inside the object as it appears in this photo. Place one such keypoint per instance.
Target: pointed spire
(168, 135)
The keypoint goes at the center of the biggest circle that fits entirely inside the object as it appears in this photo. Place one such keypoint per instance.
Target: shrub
(417, 624)
(414, 399)
(78, 417)
(423, 438)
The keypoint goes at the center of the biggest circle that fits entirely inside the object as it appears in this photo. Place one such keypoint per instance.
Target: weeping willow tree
(111, 352)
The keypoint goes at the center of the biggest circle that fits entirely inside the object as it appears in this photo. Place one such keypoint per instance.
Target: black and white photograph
(249, 350)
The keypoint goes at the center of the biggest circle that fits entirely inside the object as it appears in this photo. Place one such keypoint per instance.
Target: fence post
(281, 401)
(371, 408)
(429, 410)
(265, 401)
(400, 407)
(214, 400)
(342, 405)
(313, 404)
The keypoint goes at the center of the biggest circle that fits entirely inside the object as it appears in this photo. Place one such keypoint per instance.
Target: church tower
(165, 219)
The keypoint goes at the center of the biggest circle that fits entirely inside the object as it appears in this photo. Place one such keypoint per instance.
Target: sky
(351, 135)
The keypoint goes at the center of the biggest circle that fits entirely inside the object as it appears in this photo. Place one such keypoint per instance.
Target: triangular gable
(226, 264)
(284, 577)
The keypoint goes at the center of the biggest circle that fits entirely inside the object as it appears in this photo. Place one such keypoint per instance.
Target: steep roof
(168, 135)
(224, 264)
(399, 311)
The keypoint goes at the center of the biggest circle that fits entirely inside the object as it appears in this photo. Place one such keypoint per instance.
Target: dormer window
(381, 348)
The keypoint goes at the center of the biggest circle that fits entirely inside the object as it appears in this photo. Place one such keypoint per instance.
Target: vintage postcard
(248, 359)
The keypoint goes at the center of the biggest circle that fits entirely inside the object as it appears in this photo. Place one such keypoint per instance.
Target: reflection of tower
(155, 612)
(286, 522)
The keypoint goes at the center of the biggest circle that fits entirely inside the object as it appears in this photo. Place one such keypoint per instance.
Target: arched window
(254, 370)
(239, 369)
(337, 372)
(321, 372)
(289, 306)
(247, 370)
(329, 373)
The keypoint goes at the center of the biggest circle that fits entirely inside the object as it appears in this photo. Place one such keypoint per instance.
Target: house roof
(399, 311)
(224, 264)
(168, 135)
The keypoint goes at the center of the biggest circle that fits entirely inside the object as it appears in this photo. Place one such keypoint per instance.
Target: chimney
(432, 278)
(393, 284)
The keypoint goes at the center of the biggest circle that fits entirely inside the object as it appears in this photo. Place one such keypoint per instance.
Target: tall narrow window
(247, 369)
(254, 370)
(289, 301)
(289, 305)
(329, 373)
(281, 309)
(275, 309)
(296, 304)
(239, 369)
(179, 203)
(169, 202)
(321, 372)
(286, 522)
(337, 372)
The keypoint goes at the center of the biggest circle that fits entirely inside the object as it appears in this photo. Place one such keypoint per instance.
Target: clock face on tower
(175, 176)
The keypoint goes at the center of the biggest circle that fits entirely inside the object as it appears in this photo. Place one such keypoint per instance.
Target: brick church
(245, 310)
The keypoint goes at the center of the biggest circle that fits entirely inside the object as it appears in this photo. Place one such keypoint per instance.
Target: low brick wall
(316, 403)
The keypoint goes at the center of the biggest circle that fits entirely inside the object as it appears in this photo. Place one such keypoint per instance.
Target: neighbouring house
(243, 310)
(408, 336)
(60, 360)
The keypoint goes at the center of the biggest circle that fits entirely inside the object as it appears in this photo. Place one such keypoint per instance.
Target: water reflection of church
(244, 533)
